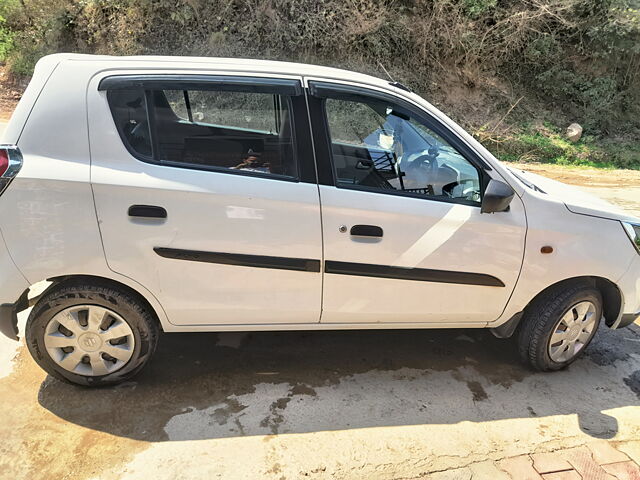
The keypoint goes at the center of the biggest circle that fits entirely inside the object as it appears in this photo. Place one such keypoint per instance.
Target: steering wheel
(429, 160)
(468, 191)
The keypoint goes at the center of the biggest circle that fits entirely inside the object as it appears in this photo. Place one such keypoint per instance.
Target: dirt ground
(385, 405)
(621, 187)
(585, 177)
(10, 92)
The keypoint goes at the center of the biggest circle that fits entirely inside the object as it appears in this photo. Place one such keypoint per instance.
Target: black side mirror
(497, 197)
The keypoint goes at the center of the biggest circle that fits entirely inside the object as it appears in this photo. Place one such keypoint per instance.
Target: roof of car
(243, 64)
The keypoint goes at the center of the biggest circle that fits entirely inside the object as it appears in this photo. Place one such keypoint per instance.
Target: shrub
(6, 39)
(579, 59)
(545, 144)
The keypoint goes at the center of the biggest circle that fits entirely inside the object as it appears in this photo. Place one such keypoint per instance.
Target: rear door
(404, 238)
(206, 194)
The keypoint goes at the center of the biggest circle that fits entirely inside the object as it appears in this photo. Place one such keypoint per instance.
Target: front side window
(209, 129)
(377, 146)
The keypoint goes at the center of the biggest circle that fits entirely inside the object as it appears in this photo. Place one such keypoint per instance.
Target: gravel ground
(323, 405)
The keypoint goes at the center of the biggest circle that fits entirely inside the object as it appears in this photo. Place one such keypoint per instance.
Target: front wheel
(557, 328)
(91, 335)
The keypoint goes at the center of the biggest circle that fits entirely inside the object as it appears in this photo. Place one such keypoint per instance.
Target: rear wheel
(557, 328)
(91, 335)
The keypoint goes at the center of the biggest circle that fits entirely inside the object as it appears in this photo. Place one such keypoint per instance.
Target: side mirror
(497, 197)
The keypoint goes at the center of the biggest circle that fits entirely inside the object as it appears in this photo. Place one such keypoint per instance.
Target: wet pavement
(351, 404)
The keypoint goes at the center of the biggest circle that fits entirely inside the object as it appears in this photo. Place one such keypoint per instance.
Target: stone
(582, 460)
(569, 475)
(574, 132)
(549, 462)
(623, 470)
(455, 474)
(520, 468)
(488, 469)
(632, 449)
(603, 453)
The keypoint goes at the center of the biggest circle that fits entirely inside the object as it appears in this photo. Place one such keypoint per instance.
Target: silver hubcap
(89, 340)
(572, 333)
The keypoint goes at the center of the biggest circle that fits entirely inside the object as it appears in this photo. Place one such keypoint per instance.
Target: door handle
(147, 211)
(366, 231)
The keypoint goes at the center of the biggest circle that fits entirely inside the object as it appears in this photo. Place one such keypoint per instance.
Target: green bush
(546, 144)
(477, 8)
(6, 39)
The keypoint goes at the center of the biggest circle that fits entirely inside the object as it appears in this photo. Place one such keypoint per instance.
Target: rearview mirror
(497, 197)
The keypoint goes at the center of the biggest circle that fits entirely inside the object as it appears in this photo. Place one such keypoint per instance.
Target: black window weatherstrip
(282, 86)
(416, 274)
(303, 140)
(243, 260)
(321, 140)
(330, 266)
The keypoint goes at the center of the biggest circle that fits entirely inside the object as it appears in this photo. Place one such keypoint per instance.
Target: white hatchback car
(204, 194)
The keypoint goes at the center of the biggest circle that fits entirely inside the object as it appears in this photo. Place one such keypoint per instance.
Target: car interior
(193, 142)
(385, 150)
(412, 161)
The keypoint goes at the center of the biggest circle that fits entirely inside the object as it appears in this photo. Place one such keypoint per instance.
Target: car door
(404, 238)
(206, 194)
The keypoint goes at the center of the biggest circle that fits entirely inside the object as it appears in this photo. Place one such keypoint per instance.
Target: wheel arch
(612, 301)
(65, 280)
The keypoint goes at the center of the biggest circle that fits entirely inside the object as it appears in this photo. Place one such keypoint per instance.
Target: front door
(206, 195)
(404, 239)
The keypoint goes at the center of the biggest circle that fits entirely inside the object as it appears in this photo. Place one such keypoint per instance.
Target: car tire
(555, 320)
(109, 351)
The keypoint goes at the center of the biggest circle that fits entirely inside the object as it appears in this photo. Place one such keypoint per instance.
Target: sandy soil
(621, 187)
(584, 177)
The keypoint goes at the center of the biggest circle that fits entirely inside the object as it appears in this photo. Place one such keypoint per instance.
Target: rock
(574, 132)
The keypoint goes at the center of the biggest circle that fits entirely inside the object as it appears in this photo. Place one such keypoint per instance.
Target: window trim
(281, 86)
(290, 88)
(404, 193)
(321, 90)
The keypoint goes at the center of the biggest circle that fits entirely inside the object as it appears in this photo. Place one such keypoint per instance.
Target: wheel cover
(572, 332)
(89, 340)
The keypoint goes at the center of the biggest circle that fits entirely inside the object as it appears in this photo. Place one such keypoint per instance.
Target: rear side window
(233, 131)
(252, 111)
(130, 114)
